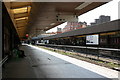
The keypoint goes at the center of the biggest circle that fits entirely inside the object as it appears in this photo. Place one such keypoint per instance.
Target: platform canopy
(35, 18)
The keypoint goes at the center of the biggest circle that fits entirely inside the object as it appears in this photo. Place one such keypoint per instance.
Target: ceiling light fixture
(52, 24)
(83, 5)
(21, 18)
(20, 10)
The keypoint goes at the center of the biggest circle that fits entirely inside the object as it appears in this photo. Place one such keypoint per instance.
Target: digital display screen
(92, 39)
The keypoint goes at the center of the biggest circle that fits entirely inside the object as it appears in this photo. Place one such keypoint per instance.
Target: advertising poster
(92, 39)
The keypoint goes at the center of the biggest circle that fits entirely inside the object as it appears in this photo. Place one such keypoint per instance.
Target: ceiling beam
(21, 21)
(15, 5)
(20, 15)
(21, 27)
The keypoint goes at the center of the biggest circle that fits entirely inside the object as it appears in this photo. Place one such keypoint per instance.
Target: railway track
(99, 60)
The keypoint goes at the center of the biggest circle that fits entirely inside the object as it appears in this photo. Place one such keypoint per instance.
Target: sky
(108, 9)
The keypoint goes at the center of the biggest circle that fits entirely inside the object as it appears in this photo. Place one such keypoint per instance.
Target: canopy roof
(35, 18)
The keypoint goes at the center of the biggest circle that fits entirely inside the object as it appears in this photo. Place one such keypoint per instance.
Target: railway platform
(41, 63)
(28, 23)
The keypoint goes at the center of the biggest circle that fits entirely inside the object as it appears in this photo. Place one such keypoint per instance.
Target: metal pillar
(0, 39)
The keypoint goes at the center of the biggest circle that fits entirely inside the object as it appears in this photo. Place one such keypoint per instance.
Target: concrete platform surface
(18, 68)
(42, 63)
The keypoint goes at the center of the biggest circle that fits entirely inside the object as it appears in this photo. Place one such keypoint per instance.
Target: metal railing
(85, 47)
